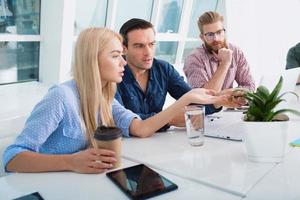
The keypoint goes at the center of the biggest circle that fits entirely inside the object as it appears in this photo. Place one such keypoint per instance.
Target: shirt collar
(129, 77)
(151, 74)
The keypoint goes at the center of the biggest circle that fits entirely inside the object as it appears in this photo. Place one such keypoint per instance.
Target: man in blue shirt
(293, 57)
(147, 80)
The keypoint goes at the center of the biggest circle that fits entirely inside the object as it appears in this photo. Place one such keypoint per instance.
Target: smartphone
(32, 196)
(141, 182)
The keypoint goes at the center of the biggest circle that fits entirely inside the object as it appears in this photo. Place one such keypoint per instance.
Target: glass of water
(194, 121)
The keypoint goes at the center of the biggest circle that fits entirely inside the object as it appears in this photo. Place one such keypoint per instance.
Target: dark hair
(133, 24)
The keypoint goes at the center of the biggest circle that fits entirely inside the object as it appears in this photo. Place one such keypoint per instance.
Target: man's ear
(125, 50)
(201, 36)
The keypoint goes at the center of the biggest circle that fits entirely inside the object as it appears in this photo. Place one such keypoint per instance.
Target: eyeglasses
(212, 35)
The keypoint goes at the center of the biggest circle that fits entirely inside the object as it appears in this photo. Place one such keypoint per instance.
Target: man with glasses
(216, 64)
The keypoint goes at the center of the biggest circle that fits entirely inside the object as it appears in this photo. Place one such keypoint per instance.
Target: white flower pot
(266, 141)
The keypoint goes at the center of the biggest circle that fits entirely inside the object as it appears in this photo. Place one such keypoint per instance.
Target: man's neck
(141, 76)
(138, 73)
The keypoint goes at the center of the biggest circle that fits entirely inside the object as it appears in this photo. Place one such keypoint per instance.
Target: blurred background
(37, 36)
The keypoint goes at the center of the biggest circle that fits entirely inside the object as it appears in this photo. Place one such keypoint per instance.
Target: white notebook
(224, 125)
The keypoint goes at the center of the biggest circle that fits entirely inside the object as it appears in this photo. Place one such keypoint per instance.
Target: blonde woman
(58, 135)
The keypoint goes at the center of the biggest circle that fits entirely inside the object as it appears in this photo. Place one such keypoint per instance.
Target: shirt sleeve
(292, 60)
(243, 75)
(210, 109)
(142, 115)
(42, 122)
(194, 70)
(122, 117)
(176, 84)
(146, 116)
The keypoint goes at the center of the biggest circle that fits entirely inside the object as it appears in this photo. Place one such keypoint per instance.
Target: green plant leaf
(256, 112)
(248, 98)
(249, 117)
(262, 103)
(289, 92)
(256, 98)
(283, 111)
(269, 117)
(276, 90)
(263, 92)
(271, 105)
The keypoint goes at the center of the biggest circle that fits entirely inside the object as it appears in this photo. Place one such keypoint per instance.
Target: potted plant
(266, 128)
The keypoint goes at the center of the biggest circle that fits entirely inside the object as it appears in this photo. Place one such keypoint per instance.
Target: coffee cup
(110, 138)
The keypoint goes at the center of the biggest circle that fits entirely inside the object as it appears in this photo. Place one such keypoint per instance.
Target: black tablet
(32, 196)
(141, 182)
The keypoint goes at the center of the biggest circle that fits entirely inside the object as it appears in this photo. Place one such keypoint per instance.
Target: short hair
(133, 24)
(209, 18)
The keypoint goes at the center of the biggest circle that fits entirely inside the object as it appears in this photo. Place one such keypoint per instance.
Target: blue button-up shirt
(55, 127)
(163, 79)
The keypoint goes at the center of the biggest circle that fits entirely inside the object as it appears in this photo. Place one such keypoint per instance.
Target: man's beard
(212, 48)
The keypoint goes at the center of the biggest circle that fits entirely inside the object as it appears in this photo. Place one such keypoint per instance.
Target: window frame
(7, 37)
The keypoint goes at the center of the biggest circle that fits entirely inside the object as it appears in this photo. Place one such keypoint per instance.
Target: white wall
(57, 27)
(264, 30)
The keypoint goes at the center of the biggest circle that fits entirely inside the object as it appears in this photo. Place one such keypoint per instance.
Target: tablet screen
(141, 182)
(32, 196)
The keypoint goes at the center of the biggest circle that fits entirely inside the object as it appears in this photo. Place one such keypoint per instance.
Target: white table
(282, 182)
(218, 170)
(221, 164)
(72, 186)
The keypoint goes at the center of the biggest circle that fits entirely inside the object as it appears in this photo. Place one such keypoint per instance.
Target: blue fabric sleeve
(293, 57)
(178, 87)
(146, 116)
(43, 120)
(176, 84)
(142, 115)
(122, 117)
(210, 109)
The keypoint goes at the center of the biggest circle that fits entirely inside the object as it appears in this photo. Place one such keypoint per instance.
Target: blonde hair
(208, 18)
(95, 99)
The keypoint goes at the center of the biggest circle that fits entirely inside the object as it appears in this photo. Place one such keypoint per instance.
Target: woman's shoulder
(64, 89)
(64, 93)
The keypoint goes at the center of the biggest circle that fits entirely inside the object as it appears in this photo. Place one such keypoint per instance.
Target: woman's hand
(92, 161)
(205, 96)
(235, 97)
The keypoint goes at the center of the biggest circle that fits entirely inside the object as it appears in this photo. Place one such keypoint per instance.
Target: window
(166, 51)
(175, 22)
(90, 13)
(170, 13)
(188, 47)
(192, 40)
(198, 8)
(19, 40)
(125, 11)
